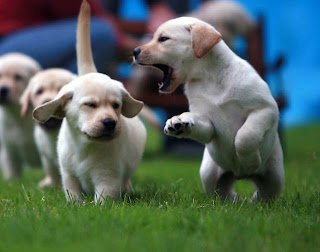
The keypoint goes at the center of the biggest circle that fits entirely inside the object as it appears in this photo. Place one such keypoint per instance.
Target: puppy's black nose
(136, 52)
(46, 101)
(4, 91)
(109, 124)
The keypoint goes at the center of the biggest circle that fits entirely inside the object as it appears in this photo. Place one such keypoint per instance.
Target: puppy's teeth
(160, 85)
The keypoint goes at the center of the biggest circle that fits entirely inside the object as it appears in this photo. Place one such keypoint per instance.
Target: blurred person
(45, 30)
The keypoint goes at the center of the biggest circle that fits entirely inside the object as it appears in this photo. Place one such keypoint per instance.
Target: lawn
(168, 210)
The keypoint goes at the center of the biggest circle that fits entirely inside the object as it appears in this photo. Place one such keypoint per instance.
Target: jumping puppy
(42, 88)
(231, 108)
(17, 145)
(101, 140)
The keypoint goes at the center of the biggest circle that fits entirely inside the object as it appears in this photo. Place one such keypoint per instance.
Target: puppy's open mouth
(168, 76)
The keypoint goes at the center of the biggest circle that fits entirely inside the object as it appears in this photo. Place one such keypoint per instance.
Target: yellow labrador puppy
(231, 108)
(17, 145)
(42, 88)
(101, 140)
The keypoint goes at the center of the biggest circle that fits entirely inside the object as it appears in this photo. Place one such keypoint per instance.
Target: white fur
(46, 142)
(231, 111)
(98, 168)
(18, 149)
(49, 82)
(92, 159)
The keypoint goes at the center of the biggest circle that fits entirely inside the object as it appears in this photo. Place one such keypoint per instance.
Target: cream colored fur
(44, 87)
(232, 110)
(18, 149)
(93, 160)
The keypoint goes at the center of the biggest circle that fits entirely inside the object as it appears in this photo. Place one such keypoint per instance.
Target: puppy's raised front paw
(178, 126)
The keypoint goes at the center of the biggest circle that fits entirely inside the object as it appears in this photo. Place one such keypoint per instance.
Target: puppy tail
(151, 118)
(84, 52)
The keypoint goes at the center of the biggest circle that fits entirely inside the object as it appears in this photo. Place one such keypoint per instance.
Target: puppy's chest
(87, 163)
(227, 114)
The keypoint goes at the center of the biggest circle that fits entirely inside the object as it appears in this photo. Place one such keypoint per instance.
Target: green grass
(169, 211)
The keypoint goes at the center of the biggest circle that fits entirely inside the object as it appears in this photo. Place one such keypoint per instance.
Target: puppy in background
(42, 88)
(101, 140)
(228, 17)
(17, 145)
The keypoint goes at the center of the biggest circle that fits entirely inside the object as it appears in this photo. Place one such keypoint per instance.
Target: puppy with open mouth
(18, 149)
(232, 110)
(42, 88)
(101, 140)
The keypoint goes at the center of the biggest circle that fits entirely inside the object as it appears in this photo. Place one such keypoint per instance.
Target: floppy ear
(54, 108)
(203, 38)
(130, 106)
(25, 99)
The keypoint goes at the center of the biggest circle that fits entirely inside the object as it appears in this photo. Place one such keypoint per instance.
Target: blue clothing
(53, 44)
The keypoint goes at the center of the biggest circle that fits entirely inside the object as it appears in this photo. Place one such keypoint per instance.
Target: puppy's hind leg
(250, 136)
(214, 179)
(11, 164)
(270, 184)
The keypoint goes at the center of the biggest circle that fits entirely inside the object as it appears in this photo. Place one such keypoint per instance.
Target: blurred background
(279, 38)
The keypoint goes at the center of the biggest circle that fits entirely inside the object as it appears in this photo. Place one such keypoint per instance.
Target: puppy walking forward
(101, 140)
(231, 108)
(18, 148)
(42, 88)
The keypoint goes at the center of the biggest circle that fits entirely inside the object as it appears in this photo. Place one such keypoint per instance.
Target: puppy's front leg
(72, 188)
(10, 164)
(52, 178)
(189, 125)
(105, 189)
(251, 135)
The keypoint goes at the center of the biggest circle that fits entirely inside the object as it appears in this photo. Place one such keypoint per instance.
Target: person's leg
(53, 44)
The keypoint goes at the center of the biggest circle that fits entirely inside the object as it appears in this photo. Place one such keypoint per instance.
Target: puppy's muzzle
(109, 126)
(4, 93)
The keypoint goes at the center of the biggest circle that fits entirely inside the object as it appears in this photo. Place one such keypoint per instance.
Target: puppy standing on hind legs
(232, 110)
(101, 141)
(18, 148)
(42, 88)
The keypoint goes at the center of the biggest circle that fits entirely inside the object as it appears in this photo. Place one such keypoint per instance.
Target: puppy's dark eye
(162, 39)
(18, 77)
(91, 104)
(39, 91)
(115, 105)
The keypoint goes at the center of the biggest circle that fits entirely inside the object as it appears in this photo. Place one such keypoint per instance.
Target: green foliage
(168, 210)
